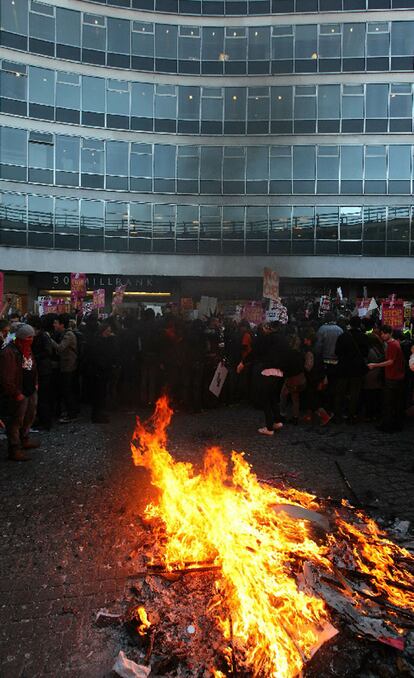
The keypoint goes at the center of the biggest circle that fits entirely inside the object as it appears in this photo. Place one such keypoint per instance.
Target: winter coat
(67, 350)
(11, 372)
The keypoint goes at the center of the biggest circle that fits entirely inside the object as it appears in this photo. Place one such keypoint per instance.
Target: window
(280, 223)
(354, 41)
(399, 169)
(41, 150)
(211, 169)
(118, 36)
(304, 169)
(93, 163)
(13, 146)
(328, 169)
(141, 167)
(40, 221)
(92, 224)
(68, 90)
(166, 41)
(187, 228)
(350, 223)
(164, 228)
(328, 102)
(13, 18)
(117, 98)
(235, 103)
(327, 222)
(329, 41)
(13, 215)
(257, 224)
(353, 102)
(306, 42)
(212, 103)
(402, 41)
(42, 21)
(117, 163)
(212, 43)
(351, 169)
(142, 100)
(66, 223)
(303, 226)
(188, 103)
(258, 103)
(68, 28)
(140, 226)
(116, 223)
(259, 43)
(142, 39)
(166, 101)
(189, 43)
(234, 169)
(236, 44)
(375, 169)
(94, 32)
(378, 39)
(41, 86)
(282, 42)
(67, 153)
(188, 164)
(13, 81)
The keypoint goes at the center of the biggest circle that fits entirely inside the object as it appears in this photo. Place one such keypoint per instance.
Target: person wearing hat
(18, 384)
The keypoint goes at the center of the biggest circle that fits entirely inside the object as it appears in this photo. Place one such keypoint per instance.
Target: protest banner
(407, 310)
(277, 313)
(1, 288)
(218, 379)
(98, 300)
(78, 285)
(253, 312)
(270, 284)
(324, 305)
(118, 297)
(392, 313)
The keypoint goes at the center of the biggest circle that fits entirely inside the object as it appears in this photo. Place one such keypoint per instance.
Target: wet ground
(68, 520)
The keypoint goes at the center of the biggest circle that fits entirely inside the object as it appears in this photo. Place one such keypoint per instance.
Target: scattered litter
(126, 668)
(106, 618)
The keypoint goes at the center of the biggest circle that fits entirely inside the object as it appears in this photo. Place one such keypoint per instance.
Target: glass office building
(239, 133)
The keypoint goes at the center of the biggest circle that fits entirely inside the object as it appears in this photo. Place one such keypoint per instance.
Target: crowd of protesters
(311, 370)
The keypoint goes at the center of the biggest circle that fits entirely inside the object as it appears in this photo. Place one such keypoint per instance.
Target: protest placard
(218, 380)
(98, 300)
(270, 284)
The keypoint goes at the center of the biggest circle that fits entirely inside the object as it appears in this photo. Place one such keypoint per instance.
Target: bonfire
(281, 564)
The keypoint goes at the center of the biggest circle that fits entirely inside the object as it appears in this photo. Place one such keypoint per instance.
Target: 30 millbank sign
(134, 283)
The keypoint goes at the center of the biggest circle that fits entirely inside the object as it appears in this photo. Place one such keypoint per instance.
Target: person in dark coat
(103, 357)
(43, 352)
(352, 352)
(271, 351)
(18, 379)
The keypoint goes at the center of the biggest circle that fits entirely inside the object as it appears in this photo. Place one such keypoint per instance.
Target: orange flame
(226, 517)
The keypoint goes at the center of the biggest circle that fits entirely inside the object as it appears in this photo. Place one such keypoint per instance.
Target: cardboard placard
(218, 380)
(393, 313)
(78, 285)
(270, 284)
(98, 299)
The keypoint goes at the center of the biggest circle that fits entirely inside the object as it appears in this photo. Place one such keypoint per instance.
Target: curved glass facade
(90, 38)
(289, 135)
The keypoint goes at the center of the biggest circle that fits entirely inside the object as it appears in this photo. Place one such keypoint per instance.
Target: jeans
(21, 417)
(271, 387)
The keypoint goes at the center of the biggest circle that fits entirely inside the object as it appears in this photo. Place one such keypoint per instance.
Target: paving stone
(67, 519)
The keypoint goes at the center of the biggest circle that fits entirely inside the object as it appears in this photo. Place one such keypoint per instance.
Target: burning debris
(247, 578)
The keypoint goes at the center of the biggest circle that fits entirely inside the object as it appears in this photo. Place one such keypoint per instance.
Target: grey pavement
(69, 517)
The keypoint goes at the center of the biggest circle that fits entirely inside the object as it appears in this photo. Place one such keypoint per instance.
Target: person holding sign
(394, 369)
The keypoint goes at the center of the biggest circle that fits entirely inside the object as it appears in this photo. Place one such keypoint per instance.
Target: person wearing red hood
(18, 385)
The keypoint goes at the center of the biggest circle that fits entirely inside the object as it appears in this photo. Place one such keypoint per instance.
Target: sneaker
(325, 418)
(66, 420)
(265, 431)
(277, 426)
